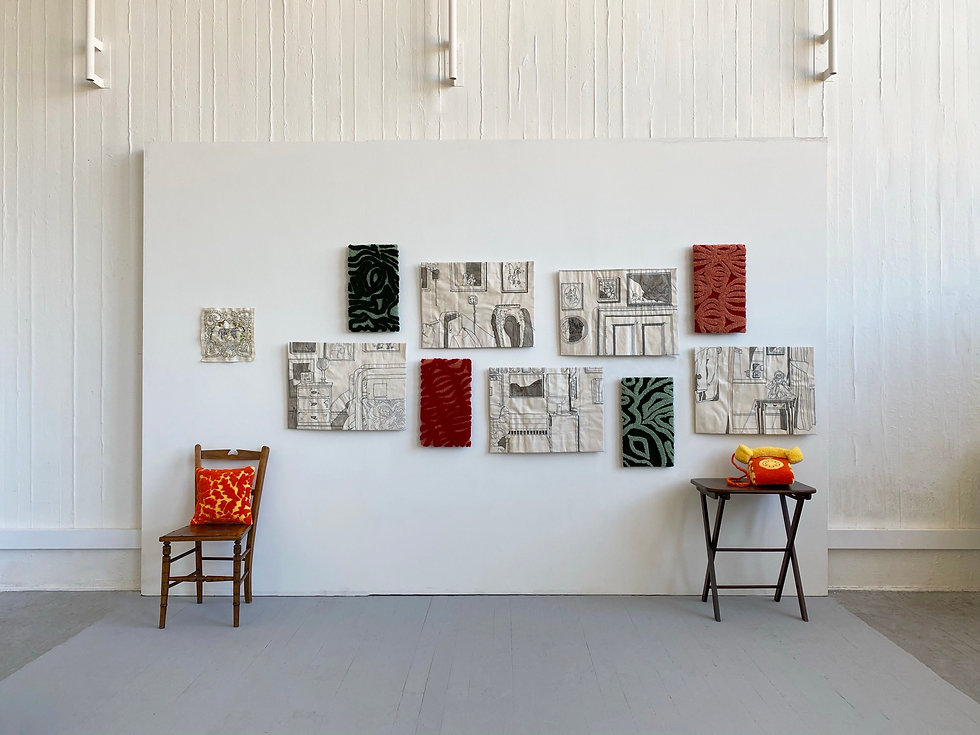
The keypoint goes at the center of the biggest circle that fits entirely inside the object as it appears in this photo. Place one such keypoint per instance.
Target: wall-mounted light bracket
(454, 78)
(830, 38)
(93, 45)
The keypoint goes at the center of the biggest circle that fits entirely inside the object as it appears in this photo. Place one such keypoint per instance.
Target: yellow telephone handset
(744, 454)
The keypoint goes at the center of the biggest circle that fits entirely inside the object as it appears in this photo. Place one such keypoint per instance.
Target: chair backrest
(258, 458)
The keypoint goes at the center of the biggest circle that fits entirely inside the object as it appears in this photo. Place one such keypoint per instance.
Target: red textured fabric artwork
(719, 289)
(444, 409)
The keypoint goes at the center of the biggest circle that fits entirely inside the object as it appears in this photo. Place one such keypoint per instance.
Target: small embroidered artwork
(227, 335)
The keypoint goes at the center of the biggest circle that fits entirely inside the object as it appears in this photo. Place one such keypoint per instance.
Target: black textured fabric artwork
(372, 288)
(647, 410)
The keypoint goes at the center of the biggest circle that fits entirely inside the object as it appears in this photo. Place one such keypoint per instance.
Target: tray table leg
(789, 556)
(711, 543)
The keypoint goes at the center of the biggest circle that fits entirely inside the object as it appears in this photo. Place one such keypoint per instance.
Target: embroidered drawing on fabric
(719, 289)
(227, 335)
(754, 390)
(477, 304)
(513, 277)
(647, 414)
(620, 312)
(545, 410)
(445, 414)
(571, 296)
(372, 288)
(346, 386)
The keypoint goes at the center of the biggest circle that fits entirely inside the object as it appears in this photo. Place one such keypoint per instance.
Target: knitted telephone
(764, 465)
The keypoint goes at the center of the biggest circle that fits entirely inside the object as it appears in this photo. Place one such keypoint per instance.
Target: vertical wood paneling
(15, 466)
(89, 287)
(810, 21)
(494, 80)
(639, 60)
(56, 308)
(904, 176)
(904, 172)
(54, 328)
(30, 58)
(207, 68)
(122, 269)
(221, 72)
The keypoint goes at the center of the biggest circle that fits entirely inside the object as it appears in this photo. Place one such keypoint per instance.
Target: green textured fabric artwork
(647, 411)
(372, 288)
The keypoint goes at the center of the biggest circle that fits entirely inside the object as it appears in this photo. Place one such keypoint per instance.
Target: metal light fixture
(453, 74)
(92, 45)
(830, 38)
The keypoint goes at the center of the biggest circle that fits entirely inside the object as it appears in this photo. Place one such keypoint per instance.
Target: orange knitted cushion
(224, 496)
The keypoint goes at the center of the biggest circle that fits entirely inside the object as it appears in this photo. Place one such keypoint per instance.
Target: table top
(718, 485)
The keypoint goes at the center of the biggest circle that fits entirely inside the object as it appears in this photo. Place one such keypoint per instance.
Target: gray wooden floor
(32, 623)
(941, 629)
(485, 665)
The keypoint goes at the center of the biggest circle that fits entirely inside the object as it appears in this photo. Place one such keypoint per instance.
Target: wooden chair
(217, 532)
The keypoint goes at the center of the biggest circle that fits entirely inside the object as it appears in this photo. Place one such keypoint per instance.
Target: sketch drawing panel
(545, 410)
(754, 390)
(477, 304)
(346, 386)
(641, 322)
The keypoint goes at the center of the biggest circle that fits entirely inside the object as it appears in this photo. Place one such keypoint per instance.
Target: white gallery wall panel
(374, 512)
(903, 182)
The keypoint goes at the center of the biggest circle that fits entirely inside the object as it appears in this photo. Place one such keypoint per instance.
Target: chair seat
(208, 532)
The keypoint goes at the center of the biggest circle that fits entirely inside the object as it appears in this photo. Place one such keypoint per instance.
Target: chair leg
(237, 573)
(199, 568)
(248, 578)
(164, 584)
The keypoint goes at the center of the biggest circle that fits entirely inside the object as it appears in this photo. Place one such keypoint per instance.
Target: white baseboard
(909, 539)
(932, 570)
(69, 569)
(69, 538)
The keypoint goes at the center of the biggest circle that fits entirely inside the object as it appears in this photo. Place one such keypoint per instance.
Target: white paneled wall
(904, 229)
(902, 120)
